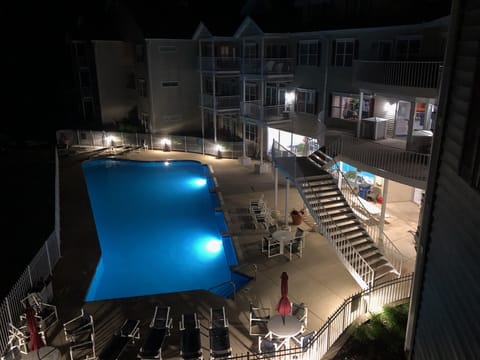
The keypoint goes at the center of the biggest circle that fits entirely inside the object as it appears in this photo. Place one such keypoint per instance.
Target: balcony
(219, 64)
(269, 66)
(230, 102)
(423, 76)
(266, 113)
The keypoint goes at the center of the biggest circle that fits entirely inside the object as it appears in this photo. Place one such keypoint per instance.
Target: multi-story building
(256, 84)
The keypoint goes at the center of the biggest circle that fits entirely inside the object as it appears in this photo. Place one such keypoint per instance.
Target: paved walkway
(318, 279)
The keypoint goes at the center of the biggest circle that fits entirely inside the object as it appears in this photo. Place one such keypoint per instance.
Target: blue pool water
(347, 167)
(158, 229)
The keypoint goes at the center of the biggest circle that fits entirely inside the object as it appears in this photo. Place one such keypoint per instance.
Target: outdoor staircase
(339, 223)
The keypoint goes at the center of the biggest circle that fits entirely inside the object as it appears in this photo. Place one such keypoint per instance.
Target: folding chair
(119, 341)
(294, 247)
(258, 319)
(268, 347)
(270, 246)
(304, 340)
(190, 345)
(158, 330)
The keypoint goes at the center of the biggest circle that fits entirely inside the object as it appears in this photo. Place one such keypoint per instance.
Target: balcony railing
(269, 66)
(417, 74)
(219, 64)
(267, 113)
(221, 102)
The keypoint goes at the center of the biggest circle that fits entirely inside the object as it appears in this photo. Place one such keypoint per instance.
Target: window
(169, 83)
(145, 122)
(226, 51)
(85, 78)
(276, 51)
(251, 92)
(408, 49)
(142, 87)
(305, 101)
(345, 50)
(251, 51)
(309, 52)
(167, 49)
(139, 53)
(80, 49)
(88, 109)
(346, 107)
(250, 132)
(384, 50)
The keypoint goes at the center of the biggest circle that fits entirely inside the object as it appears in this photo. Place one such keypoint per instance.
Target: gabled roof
(201, 32)
(248, 28)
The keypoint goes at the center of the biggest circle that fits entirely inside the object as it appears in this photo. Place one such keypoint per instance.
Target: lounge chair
(158, 330)
(259, 318)
(119, 341)
(190, 344)
(219, 334)
(80, 334)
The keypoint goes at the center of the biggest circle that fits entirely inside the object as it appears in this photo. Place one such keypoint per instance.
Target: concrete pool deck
(318, 279)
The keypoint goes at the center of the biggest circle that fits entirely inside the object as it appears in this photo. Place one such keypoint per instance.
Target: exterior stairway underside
(336, 220)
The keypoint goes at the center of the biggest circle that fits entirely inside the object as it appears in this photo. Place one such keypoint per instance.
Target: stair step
(373, 258)
(368, 252)
(343, 226)
(382, 271)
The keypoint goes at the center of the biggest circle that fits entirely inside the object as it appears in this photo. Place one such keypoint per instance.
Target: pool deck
(318, 279)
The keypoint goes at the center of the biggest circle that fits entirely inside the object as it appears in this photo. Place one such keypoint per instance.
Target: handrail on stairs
(384, 243)
(358, 267)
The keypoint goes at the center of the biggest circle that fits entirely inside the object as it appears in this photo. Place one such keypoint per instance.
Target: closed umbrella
(36, 341)
(284, 306)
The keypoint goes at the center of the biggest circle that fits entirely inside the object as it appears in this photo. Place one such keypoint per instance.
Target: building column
(360, 111)
(383, 210)
(411, 119)
(287, 191)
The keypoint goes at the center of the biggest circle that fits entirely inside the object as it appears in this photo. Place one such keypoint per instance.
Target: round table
(284, 236)
(44, 353)
(291, 327)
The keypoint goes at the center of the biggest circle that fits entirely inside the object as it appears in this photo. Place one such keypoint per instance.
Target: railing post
(9, 312)
(185, 143)
(48, 258)
(30, 275)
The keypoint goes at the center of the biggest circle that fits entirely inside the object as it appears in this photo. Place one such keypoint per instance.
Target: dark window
(80, 49)
(140, 53)
(85, 78)
(309, 52)
(345, 50)
(408, 49)
(88, 109)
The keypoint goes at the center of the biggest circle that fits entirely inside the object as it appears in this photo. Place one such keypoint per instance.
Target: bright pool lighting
(199, 182)
(214, 246)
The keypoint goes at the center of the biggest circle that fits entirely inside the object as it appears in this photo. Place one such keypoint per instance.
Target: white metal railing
(367, 301)
(371, 225)
(407, 164)
(221, 101)
(267, 113)
(348, 255)
(418, 74)
(128, 141)
(219, 63)
(267, 66)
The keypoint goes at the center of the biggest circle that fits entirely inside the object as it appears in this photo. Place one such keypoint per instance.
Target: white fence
(37, 274)
(367, 301)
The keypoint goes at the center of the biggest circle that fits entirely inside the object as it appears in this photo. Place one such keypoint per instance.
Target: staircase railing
(370, 224)
(407, 164)
(348, 255)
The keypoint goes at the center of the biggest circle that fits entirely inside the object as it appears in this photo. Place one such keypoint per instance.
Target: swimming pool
(159, 228)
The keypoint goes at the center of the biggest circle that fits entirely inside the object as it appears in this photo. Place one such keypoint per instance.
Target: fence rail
(37, 274)
(367, 301)
(107, 139)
